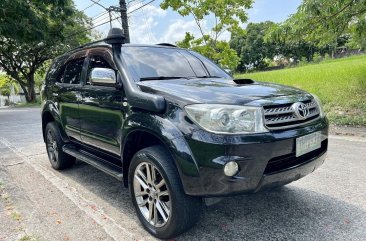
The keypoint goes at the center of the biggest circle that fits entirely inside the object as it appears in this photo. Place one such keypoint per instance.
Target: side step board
(95, 161)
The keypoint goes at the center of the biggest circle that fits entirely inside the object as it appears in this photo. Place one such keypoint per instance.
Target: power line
(131, 1)
(100, 5)
(101, 20)
(88, 29)
(98, 19)
(90, 6)
(110, 11)
(114, 14)
(99, 14)
(140, 7)
(136, 3)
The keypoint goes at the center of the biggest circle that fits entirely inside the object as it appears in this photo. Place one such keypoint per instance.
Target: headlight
(227, 119)
(320, 106)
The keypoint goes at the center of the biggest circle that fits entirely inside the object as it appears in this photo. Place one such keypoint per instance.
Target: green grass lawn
(340, 84)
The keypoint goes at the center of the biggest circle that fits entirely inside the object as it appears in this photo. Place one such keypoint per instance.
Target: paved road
(85, 204)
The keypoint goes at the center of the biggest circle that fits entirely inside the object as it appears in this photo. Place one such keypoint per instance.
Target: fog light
(231, 168)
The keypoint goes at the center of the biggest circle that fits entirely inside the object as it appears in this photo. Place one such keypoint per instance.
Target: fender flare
(173, 140)
(50, 107)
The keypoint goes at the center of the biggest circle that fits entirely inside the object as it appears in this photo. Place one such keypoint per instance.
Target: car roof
(102, 43)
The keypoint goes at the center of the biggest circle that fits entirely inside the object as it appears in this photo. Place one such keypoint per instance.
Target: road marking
(348, 138)
(110, 226)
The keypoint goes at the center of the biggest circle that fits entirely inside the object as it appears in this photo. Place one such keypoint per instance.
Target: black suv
(176, 128)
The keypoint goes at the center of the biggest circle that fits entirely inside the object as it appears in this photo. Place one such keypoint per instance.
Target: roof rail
(168, 44)
(87, 45)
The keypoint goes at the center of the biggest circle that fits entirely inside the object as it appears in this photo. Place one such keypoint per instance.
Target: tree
(227, 15)
(323, 22)
(252, 47)
(357, 31)
(32, 32)
(6, 86)
(288, 47)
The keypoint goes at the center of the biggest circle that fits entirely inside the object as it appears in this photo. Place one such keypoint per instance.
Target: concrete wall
(12, 98)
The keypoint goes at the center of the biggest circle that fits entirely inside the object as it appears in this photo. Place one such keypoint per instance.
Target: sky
(151, 24)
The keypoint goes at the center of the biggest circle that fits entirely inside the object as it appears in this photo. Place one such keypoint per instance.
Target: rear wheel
(157, 194)
(58, 159)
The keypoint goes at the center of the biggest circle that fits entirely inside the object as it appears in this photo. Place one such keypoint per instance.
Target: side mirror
(103, 77)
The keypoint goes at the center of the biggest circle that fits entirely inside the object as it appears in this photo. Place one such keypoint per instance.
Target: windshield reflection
(148, 63)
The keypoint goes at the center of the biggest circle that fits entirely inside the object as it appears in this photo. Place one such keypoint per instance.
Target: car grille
(283, 116)
(282, 163)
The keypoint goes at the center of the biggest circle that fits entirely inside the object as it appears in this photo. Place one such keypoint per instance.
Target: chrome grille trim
(294, 125)
(282, 117)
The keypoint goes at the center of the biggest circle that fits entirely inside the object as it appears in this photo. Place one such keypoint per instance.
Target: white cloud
(177, 30)
(143, 21)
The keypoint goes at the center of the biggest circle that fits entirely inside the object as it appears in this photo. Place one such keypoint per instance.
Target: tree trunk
(28, 89)
(31, 95)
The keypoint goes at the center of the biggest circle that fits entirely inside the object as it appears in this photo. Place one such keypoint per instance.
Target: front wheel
(157, 194)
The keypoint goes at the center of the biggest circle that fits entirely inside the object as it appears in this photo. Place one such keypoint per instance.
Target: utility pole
(123, 9)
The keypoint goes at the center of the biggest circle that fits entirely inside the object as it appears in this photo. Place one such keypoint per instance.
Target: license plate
(308, 143)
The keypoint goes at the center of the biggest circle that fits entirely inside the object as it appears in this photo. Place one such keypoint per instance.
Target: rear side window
(72, 74)
(55, 72)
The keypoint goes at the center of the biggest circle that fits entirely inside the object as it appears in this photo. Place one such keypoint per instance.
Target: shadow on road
(286, 213)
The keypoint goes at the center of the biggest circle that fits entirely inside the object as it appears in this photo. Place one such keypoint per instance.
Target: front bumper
(293, 174)
(265, 160)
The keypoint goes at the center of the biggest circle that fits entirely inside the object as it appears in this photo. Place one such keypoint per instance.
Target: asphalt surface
(85, 204)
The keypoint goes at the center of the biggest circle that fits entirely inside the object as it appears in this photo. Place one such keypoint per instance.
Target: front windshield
(148, 63)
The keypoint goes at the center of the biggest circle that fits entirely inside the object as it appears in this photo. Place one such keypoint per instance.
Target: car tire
(173, 212)
(58, 159)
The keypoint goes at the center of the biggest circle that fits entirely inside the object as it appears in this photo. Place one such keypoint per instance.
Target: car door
(101, 111)
(67, 93)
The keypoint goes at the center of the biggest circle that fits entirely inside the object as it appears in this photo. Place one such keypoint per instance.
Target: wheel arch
(50, 113)
(143, 130)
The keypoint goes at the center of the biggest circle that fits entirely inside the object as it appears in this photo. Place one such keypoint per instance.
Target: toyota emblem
(301, 110)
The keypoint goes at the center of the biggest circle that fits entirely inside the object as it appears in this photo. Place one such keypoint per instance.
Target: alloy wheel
(52, 148)
(152, 194)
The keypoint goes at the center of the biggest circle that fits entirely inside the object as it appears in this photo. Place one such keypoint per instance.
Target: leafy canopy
(323, 21)
(34, 31)
(227, 15)
(6, 85)
(251, 46)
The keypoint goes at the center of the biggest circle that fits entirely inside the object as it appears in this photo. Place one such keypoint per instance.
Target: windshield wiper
(162, 78)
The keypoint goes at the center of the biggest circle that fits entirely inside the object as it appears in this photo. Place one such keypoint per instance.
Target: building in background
(14, 97)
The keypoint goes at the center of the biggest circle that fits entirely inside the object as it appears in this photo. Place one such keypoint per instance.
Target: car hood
(215, 91)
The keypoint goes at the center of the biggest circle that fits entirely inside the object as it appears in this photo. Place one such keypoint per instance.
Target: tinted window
(97, 61)
(72, 74)
(211, 67)
(145, 62)
(55, 72)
